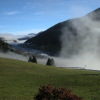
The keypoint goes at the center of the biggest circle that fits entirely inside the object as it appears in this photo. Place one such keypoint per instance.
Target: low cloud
(12, 55)
(8, 36)
(81, 42)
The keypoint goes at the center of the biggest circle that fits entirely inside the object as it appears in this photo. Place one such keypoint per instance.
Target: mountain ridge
(50, 39)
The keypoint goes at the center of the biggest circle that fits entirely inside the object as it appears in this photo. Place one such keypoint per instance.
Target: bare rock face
(32, 59)
(50, 62)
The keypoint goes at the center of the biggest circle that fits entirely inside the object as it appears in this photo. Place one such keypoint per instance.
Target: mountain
(51, 40)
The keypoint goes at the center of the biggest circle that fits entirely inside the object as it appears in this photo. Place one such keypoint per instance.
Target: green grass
(20, 80)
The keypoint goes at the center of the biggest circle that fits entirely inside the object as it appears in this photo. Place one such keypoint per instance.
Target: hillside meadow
(20, 80)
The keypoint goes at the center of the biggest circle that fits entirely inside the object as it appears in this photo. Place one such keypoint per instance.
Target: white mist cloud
(12, 55)
(28, 3)
(11, 13)
(31, 5)
(81, 44)
(39, 13)
(7, 36)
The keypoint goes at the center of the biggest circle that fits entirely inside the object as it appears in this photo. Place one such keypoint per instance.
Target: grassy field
(20, 80)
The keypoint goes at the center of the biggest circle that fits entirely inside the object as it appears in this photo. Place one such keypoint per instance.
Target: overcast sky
(19, 17)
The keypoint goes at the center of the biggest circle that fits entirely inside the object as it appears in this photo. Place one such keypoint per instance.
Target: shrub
(50, 62)
(50, 93)
(32, 59)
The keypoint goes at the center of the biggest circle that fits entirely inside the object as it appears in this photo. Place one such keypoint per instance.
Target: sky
(21, 17)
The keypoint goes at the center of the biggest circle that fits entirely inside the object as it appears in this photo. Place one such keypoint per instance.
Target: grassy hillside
(20, 80)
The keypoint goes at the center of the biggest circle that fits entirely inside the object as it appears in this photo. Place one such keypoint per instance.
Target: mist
(9, 38)
(81, 43)
(12, 55)
(15, 56)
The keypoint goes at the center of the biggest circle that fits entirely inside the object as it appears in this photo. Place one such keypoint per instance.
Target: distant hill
(50, 40)
(32, 34)
(23, 38)
(4, 46)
